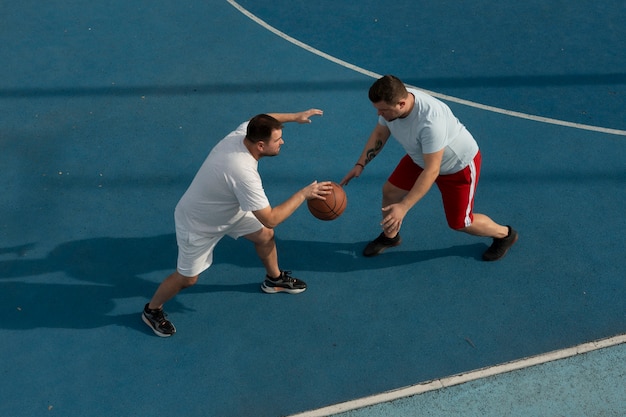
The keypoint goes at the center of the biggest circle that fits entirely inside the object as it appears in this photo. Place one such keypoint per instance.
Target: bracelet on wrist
(360, 164)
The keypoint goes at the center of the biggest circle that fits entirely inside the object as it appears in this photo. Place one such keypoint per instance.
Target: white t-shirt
(226, 186)
(430, 127)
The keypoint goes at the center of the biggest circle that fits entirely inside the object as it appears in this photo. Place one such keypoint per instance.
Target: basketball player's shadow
(79, 283)
(347, 257)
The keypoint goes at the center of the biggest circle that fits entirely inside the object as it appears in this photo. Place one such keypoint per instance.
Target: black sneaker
(158, 323)
(382, 242)
(500, 246)
(284, 283)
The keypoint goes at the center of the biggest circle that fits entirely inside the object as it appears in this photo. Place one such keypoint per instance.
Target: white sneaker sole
(273, 290)
(145, 320)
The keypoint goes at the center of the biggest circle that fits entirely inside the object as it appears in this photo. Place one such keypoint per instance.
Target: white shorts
(195, 250)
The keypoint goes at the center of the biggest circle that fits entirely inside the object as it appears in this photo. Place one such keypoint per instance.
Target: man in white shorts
(226, 197)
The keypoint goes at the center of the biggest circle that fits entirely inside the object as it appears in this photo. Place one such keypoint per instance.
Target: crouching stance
(439, 150)
(226, 197)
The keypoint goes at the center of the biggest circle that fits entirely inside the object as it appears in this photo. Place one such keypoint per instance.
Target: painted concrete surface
(592, 384)
(108, 111)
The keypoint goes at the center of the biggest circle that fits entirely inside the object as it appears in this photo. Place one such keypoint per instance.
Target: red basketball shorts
(457, 190)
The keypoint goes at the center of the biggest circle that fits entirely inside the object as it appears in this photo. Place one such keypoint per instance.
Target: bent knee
(459, 225)
(459, 221)
(267, 235)
(185, 281)
(263, 236)
(391, 193)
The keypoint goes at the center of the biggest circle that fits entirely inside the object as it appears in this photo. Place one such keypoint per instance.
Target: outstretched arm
(374, 145)
(300, 117)
(273, 216)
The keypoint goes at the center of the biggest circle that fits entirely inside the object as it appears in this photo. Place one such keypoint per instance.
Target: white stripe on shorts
(472, 189)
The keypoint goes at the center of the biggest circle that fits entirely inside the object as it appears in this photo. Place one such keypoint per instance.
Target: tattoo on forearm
(371, 153)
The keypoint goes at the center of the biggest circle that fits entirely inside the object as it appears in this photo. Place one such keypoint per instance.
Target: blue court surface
(109, 108)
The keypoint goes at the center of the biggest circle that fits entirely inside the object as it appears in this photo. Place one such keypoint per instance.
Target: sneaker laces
(286, 276)
(499, 244)
(158, 315)
(496, 245)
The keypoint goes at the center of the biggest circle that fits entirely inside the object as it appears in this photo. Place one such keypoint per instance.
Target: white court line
(480, 373)
(432, 93)
(463, 378)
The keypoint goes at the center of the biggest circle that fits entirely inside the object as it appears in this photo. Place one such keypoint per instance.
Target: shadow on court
(101, 270)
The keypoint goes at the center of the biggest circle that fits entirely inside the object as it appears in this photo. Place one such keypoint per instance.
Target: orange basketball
(332, 207)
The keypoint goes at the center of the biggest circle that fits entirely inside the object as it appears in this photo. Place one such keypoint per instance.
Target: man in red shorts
(440, 151)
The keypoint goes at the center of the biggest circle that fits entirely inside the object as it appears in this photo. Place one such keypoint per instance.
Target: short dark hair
(261, 126)
(389, 89)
